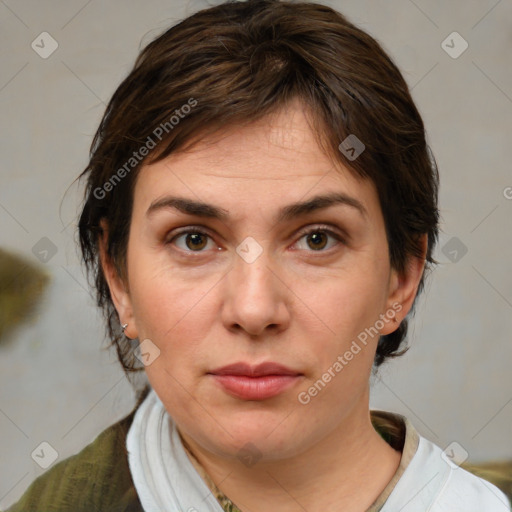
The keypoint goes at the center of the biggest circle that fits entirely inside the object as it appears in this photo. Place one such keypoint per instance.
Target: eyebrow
(286, 213)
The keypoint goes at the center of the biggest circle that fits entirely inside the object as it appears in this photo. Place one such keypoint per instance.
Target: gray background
(59, 386)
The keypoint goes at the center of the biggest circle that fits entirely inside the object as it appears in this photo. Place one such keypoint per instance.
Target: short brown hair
(235, 63)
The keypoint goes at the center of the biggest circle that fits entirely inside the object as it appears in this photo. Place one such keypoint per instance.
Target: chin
(250, 443)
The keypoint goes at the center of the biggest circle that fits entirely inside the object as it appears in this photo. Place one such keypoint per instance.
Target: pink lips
(260, 382)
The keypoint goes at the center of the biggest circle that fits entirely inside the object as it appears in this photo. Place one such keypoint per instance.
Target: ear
(404, 286)
(118, 289)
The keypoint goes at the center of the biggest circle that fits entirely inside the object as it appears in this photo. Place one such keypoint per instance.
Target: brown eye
(196, 240)
(318, 238)
(191, 240)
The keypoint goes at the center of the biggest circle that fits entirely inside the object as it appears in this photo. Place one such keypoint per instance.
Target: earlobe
(118, 292)
(403, 287)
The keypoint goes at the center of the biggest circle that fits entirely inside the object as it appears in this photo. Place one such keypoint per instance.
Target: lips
(260, 370)
(246, 382)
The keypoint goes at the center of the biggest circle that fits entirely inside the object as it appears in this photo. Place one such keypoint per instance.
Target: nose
(255, 296)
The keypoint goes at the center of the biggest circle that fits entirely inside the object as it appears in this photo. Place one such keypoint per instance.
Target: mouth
(246, 382)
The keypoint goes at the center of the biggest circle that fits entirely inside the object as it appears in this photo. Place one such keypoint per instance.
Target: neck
(347, 470)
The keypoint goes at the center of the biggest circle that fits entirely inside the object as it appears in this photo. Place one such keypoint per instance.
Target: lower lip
(256, 388)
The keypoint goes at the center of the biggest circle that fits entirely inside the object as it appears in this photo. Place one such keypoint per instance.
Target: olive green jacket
(97, 479)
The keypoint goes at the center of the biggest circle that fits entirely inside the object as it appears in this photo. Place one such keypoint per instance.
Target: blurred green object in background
(498, 473)
(21, 287)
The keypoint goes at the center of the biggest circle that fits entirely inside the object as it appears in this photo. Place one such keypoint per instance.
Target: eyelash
(320, 228)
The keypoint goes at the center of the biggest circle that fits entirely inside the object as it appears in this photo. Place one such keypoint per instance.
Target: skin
(300, 303)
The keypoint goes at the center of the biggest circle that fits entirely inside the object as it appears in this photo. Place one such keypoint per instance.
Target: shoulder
(461, 488)
(96, 478)
(433, 482)
(471, 492)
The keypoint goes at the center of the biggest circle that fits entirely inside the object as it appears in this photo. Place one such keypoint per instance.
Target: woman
(260, 215)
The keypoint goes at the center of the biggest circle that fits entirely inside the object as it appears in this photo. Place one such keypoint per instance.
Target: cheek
(168, 304)
(347, 304)
(172, 313)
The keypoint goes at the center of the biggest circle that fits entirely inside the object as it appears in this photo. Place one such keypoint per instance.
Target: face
(258, 283)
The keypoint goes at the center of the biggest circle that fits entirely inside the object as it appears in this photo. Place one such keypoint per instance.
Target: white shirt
(431, 483)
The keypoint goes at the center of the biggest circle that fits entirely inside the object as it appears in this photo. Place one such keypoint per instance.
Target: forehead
(271, 162)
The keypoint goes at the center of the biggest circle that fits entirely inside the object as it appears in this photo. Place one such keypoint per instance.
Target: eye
(194, 240)
(317, 238)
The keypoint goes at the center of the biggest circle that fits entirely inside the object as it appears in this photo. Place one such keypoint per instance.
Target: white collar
(163, 475)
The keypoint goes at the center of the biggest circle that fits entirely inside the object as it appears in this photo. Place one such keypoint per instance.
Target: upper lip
(260, 370)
